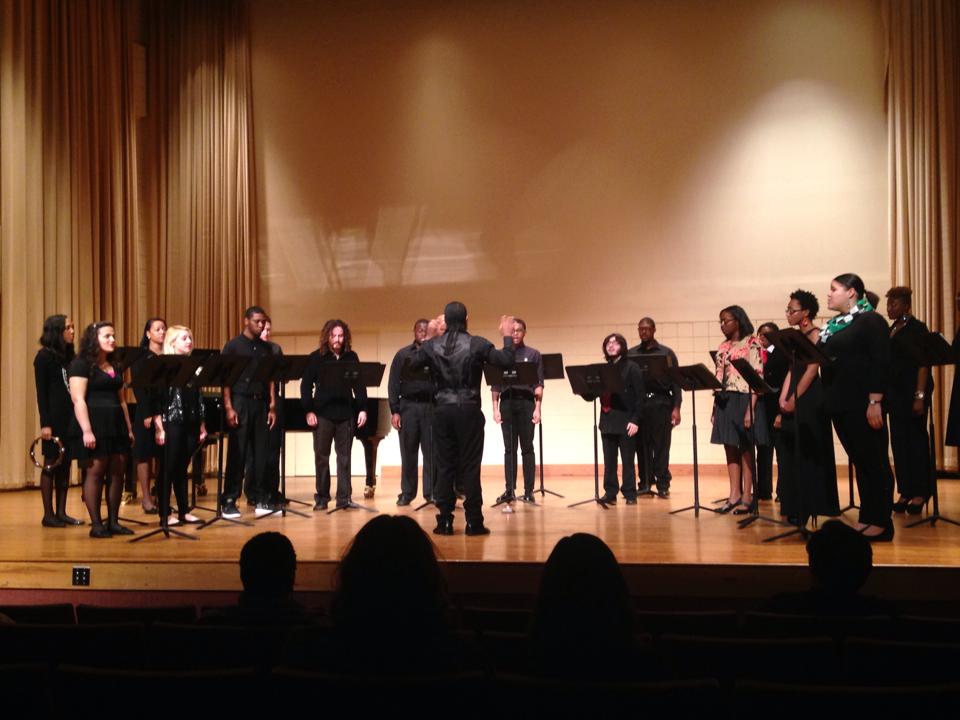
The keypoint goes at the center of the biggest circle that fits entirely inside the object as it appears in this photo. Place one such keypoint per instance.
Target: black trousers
(516, 423)
(910, 442)
(653, 445)
(181, 441)
(340, 434)
(867, 450)
(458, 434)
(271, 483)
(248, 438)
(416, 435)
(627, 447)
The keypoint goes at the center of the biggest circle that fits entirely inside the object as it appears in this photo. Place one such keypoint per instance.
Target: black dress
(909, 438)
(952, 436)
(148, 404)
(53, 401)
(808, 481)
(104, 410)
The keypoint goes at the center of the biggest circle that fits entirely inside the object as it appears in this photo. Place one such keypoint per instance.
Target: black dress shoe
(69, 520)
(118, 529)
(527, 498)
(505, 498)
(444, 525)
(665, 494)
(901, 505)
(403, 501)
(631, 501)
(885, 536)
(643, 489)
(321, 504)
(53, 522)
(608, 499)
(100, 531)
(477, 528)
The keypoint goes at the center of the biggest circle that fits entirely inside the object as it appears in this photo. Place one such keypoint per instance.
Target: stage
(669, 559)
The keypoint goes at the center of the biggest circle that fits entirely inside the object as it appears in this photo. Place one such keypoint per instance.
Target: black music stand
(517, 375)
(222, 371)
(694, 378)
(124, 358)
(279, 370)
(344, 376)
(196, 460)
(759, 388)
(161, 372)
(552, 370)
(590, 382)
(932, 350)
(653, 367)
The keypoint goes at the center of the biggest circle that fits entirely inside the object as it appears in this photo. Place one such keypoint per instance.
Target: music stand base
(596, 500)
(235, 521)
(351, 506)
(932, 519)
(167, 532)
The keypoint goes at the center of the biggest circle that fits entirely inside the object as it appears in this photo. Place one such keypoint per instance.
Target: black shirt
(256, 349)
(398, 389)
(334, 404)
(903, 374)
(53, 394)
(663, 385)
(620, 408)
(861, 363)
(457, 364)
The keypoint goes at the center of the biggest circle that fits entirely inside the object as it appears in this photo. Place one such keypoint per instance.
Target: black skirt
(729, 409)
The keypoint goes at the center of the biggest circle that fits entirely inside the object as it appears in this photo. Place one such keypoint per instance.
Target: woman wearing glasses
(739, 421)
(815, 464)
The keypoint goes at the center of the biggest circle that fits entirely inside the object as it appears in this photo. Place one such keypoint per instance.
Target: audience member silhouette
(840, 560)
(583, 623)
(389, 607)
(268, 568)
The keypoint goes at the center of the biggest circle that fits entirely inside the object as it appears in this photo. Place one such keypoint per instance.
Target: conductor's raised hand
(506, 325)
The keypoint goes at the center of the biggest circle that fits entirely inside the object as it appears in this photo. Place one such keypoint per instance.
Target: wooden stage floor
(678, 555)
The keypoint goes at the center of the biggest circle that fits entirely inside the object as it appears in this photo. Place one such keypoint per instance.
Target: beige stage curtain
(199, 190)
(68, 229)
(107, 216)
(923, 108)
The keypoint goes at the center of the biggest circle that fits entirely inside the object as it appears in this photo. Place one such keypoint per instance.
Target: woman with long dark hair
(815, 467)
(739, 421)
(101, 432)
(620, 422)
(857, 341)
(179, 425)
(56, 410)
(145, 450)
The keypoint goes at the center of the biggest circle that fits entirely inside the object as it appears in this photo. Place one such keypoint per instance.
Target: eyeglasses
(791, 311)
(727, 320)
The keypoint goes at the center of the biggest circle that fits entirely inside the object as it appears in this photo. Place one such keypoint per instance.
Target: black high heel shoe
(916, 508)
(901, 505)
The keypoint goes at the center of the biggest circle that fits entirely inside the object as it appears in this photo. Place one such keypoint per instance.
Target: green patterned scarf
(841, 322)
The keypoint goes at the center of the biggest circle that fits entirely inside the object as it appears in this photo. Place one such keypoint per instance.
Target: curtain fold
(104, 215)
(69, 191)
(923, 106)
(201, 182)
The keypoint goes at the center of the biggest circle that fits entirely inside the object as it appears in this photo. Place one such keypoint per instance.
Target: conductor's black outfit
(456, 359)
(861, 365)
(908, 431)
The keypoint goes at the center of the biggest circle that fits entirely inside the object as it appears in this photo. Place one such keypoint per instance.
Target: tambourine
(55, 463)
